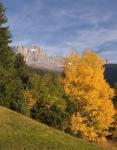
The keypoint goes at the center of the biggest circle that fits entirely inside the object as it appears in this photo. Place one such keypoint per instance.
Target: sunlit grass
(18, 132)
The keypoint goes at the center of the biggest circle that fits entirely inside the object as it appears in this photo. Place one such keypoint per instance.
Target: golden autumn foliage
(84, 82)
(115, 126)
(29, 99)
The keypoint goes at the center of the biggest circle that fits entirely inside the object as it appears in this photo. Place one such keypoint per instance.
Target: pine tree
(10, 84)
(5, 40)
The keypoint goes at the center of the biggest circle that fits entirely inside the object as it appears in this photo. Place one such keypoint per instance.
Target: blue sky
(62, 25)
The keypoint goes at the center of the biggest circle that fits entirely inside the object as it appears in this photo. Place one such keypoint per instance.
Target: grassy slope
(18, 132)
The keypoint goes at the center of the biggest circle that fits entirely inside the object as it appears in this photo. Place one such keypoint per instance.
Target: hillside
(111, 73)
(18, 132)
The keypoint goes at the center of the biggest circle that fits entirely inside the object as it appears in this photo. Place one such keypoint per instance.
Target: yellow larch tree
(84, 82)
(29, 99)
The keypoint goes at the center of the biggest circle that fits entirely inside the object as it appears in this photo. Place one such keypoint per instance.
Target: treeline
(79, 101)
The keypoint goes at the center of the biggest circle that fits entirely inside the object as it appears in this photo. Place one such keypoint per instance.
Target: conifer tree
(10, 84)
(5, 40)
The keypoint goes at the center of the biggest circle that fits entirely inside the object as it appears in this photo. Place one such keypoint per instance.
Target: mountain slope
(18, 132)
(111, 73)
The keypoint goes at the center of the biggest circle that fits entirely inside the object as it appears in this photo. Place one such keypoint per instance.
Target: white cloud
(93, 38)
(74, 25)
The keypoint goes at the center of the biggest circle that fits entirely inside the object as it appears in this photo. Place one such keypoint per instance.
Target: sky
(60, 26)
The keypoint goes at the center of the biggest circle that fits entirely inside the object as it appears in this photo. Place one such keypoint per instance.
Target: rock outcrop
(37, 57)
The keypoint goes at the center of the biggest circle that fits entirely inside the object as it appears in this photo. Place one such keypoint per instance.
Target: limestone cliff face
(37, 57)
